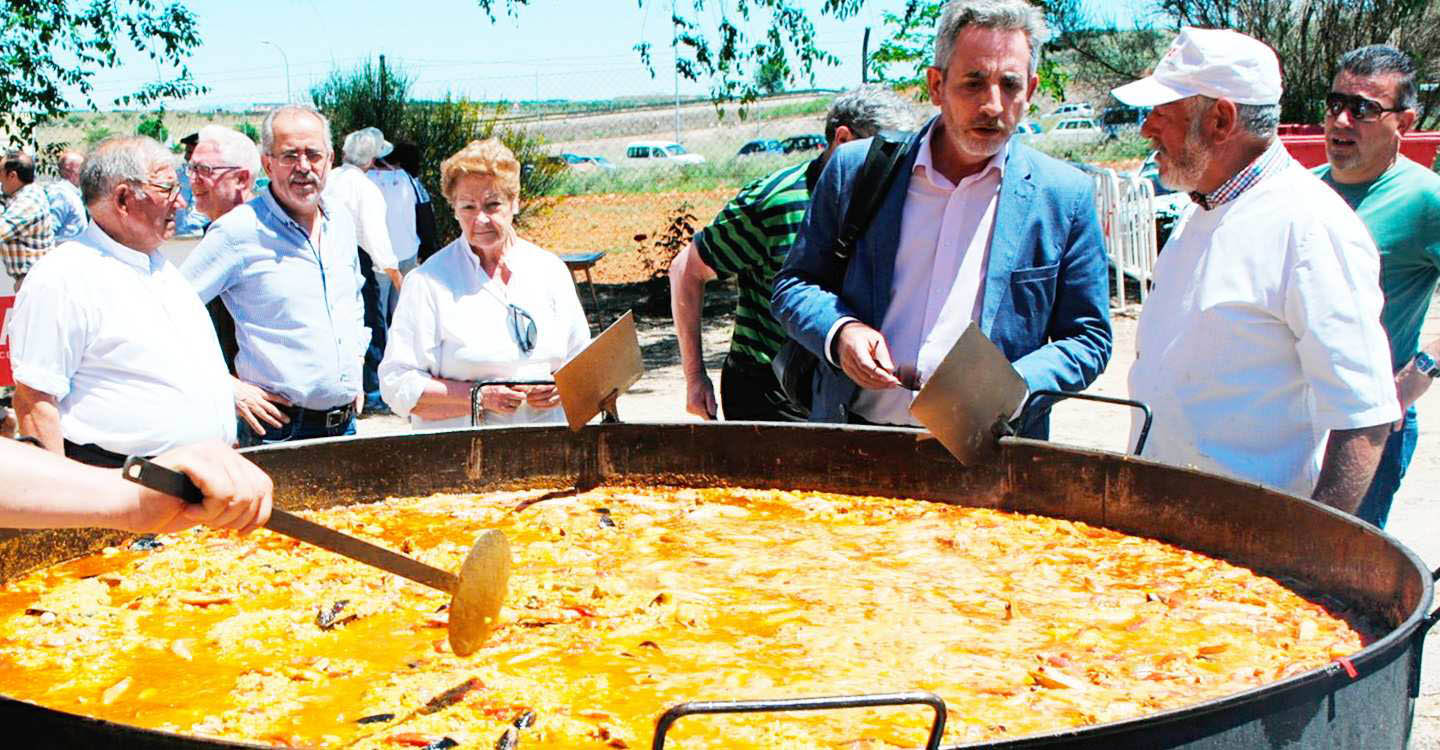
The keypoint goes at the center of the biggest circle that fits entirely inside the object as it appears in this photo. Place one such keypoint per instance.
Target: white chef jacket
(452, 322)
(1262, 334)
(120, 339)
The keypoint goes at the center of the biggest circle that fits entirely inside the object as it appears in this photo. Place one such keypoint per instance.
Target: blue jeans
(297, 428)
(1399, 449)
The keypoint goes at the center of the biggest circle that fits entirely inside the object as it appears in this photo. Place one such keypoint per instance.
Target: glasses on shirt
(1361, 108)
(522, 327)
(166, 189)
(207, 171)
(292, 157)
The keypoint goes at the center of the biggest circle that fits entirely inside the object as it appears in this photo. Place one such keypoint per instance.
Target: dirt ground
(1415, 520)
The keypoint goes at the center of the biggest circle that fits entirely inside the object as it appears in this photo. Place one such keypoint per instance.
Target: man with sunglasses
(113, 354)
(285, 266)
(1371, 105)
(1260, 348)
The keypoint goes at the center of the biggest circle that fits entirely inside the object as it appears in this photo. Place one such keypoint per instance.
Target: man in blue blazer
(975, 226)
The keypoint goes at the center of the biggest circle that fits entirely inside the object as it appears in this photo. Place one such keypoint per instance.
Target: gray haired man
(1260, 348)
(113, 353)
(749, 240)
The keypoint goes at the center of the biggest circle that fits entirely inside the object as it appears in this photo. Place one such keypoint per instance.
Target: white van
(661, 151)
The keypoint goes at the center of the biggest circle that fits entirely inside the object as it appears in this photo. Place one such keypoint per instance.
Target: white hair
(128, 158)
(235, 149)
(1010, 15)
(267, 127)
(362, 147)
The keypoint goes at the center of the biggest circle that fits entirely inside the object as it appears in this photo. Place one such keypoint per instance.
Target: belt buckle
(335, 417)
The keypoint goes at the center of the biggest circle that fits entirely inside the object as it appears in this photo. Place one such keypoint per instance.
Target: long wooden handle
(161, 479)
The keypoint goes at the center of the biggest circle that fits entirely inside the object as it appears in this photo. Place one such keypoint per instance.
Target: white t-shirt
(121, 340)
(401, 194)
(452, 322)
(347, 186)
(1262, 334)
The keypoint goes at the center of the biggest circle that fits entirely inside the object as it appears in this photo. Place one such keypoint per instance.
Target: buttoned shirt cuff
(830, 337)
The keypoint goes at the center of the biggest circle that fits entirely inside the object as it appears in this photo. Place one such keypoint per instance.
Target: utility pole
(865, 57)
(380, 111)
(675, 64)
(285, 59)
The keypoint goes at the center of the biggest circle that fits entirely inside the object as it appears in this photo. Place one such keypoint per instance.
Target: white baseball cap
(1218, 63)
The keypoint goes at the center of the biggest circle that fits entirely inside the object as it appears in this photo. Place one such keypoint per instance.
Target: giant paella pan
(878, 490)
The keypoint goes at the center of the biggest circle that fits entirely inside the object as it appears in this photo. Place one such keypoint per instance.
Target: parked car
(658, 151)
(1069, 109)
(1122, 119)
(806, 142)
(761, 146)
(586, 163)
(1077, 129)
(1028, 128)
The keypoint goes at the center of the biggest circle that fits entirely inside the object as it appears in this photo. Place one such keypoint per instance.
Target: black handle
(1026, 414)
(917, 697)
(475, 393)
(147, 473)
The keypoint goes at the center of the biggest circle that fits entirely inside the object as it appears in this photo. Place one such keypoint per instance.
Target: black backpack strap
(868, 191)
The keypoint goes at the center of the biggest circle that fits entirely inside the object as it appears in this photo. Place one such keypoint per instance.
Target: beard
(1182, 169)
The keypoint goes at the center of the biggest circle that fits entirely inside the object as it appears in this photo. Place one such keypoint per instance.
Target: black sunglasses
(522, 327)
(1361, 109)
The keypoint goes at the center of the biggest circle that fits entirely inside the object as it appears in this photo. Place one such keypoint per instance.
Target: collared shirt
(939, 281)
(67, 210)
(26, 229)
(1262, 334)
(299, 320)
(453, 322)
(1274, 160)
(349, 189)
(119, 338)
(401, 193)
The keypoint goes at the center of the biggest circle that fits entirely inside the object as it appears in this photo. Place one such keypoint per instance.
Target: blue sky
(552, 49)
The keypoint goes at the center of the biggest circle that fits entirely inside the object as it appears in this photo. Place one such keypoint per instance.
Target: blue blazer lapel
(883, 234)
(1016, 188)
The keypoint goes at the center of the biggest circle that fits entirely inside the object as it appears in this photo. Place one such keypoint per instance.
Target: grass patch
(732, 172)
(1122, 148)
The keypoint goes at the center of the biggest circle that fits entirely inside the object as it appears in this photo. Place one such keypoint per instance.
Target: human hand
(541, 396)
(864, 357)
(700, 396)
(238, 495)
(256, 405)
(396, 278)
(501, 399)
(1410, 385)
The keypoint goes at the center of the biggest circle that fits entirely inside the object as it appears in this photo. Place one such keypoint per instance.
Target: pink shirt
(939, 280)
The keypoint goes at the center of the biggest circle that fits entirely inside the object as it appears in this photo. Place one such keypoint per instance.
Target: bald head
(16, 171)
(69, 165)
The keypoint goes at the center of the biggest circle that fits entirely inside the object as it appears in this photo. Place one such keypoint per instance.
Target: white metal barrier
(1126, 204)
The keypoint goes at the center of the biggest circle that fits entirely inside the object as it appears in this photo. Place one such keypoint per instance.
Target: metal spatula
(476, 593)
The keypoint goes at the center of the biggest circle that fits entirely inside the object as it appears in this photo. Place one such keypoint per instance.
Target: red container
(1307, 144)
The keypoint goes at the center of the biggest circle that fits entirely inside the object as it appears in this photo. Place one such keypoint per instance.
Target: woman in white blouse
(489, 306)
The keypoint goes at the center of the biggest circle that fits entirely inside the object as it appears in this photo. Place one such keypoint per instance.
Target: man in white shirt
(349, 188)
(1260, 349)
(113, 353)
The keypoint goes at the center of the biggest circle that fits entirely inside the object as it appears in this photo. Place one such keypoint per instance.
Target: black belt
(331, 418)
(94, 455)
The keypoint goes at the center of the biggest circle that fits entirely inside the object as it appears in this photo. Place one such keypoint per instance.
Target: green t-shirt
(1402, 210)
(749, 240)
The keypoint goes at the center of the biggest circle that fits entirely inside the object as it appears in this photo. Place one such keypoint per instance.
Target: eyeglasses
(522, 327)
(1361, 108)
(293, 156)
(207, 171)
(168, 189)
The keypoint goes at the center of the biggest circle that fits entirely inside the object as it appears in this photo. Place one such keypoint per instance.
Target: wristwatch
(1426, 364)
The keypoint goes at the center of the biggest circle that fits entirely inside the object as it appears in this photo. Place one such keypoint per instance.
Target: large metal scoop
(591, 381)
(476, 594)
(968, 401)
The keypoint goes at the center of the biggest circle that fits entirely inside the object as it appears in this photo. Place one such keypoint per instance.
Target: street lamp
(288, 98)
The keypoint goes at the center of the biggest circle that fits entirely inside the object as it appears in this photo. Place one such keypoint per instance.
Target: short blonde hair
(490, 158)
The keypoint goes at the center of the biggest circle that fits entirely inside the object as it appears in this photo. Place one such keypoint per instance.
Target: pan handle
(917, 697)
(475, 393)
(1026, 414)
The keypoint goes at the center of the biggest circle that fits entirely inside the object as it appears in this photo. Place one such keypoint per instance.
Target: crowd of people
(1280, 344)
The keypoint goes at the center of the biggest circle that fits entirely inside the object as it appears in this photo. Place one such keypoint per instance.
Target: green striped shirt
(748, 240)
